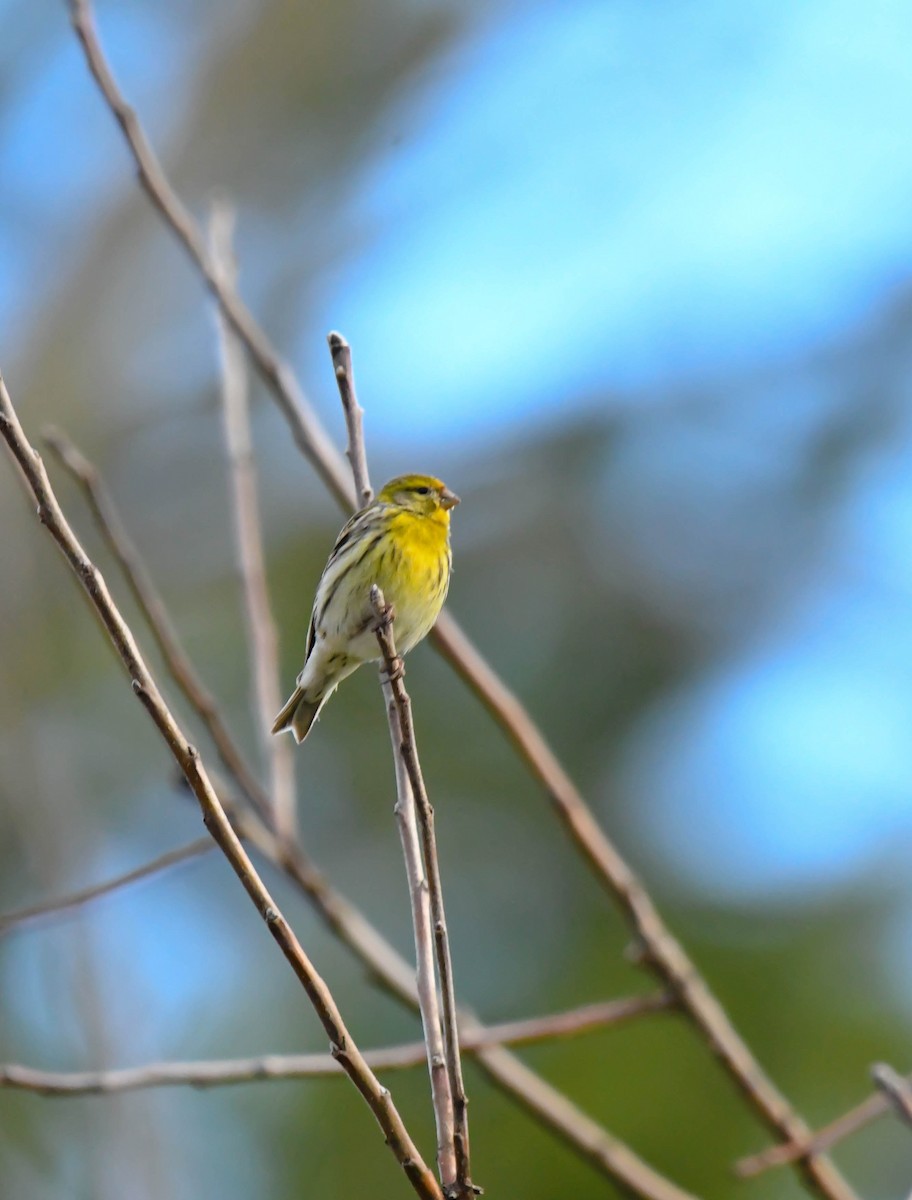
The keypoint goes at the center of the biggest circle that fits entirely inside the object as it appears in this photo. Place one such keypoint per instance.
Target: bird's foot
(394, 671)
(384, 614)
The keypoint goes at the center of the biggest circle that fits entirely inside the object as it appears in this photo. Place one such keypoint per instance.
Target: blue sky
(618, 194)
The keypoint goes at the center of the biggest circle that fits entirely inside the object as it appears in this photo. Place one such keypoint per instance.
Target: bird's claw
(394, 671)
(384, 617)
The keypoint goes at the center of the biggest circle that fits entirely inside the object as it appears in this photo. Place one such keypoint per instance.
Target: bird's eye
(422, 491)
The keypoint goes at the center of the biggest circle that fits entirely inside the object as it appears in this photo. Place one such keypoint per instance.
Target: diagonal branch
(262, 639)
(664, 953)
(152, 607)
(425, 979)
(228, 1072)
(186, 756)
(405, 749)
(164, 862)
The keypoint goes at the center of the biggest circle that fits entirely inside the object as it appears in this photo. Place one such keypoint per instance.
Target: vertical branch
(408, 754)
(354, 416)
(262, 639)
(447, 1087)
(428, 1000)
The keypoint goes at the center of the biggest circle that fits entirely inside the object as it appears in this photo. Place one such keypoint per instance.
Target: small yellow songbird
(401, 542)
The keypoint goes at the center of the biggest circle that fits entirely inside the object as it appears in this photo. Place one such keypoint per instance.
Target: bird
(400, 541)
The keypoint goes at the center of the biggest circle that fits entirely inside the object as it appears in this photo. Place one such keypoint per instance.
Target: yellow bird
(401, 542)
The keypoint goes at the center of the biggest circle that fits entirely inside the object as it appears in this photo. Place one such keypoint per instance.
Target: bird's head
(421, 494)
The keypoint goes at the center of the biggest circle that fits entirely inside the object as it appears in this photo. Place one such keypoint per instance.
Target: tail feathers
(298, 715)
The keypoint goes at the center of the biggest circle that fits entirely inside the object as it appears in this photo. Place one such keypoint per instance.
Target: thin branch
(423, 872)
(425, 888)
(152, 607)
(228, 1072)
(886, 1099)
(405, 748)
(378, 1098)
(426, 982)
(182, 854)
(574, 1021)
(591, 1141)
(665, 954)
(354, 416)
(262, 639)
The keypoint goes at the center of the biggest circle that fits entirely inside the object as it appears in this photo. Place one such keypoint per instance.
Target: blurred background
(636, 280)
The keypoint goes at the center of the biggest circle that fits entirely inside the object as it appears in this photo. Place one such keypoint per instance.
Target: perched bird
(401, 542)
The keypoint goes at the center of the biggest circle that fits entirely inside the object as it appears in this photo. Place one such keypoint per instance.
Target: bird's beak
(448, 499)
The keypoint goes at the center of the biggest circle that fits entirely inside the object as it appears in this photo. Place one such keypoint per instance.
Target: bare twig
(187, 757)
(426, 982)
(664, 953)
(568, 1024)
(153, 609)
(182, 854)
(262, 639)
(228, 1072)
(407, 750)
(354, 416)
(894, 1094)
(425, 892)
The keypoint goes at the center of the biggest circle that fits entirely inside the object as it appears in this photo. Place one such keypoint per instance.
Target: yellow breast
(415, 573)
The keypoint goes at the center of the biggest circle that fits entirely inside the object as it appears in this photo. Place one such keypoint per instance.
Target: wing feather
(357, 538)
